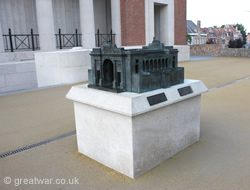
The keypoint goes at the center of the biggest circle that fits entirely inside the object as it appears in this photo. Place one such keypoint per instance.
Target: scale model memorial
(135, 70)
(137, 110)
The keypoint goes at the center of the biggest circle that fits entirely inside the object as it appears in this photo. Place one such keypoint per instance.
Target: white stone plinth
(123, 132)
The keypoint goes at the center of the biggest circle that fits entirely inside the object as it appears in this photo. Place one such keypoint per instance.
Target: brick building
(134, 22)
(196, 33)
(212, 35)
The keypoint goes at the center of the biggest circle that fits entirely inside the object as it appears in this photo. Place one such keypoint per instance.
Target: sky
(219, 12)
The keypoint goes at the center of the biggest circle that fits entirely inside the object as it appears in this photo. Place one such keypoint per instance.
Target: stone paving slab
(220, 160)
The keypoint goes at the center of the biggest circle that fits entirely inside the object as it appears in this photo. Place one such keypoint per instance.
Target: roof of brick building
(192, 27)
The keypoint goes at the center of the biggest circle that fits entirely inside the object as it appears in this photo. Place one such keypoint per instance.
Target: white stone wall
(184, 52)
(16, 56)
(17, 76)
(62, 67)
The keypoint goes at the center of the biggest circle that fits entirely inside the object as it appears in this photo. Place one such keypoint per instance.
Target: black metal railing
(101, 38)
(21, 41)
(68, 40)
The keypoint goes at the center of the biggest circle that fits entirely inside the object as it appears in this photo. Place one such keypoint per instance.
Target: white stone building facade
(45, 17)
(134, 23)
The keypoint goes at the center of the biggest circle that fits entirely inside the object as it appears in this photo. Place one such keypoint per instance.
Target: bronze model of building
(134, 70)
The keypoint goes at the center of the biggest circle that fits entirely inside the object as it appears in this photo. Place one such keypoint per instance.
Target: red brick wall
(180, 28)
(132, 22)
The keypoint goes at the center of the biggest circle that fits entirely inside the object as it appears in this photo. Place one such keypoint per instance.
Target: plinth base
(132, 133)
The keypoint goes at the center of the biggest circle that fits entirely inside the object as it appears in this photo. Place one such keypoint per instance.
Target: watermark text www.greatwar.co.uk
(41, 181)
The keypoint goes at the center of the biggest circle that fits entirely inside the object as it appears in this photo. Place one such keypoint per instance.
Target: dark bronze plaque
(185, 91)
(156, 99)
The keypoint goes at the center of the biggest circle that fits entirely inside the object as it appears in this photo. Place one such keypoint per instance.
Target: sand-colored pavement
(33, 116)
(219, 71)
(220, 160)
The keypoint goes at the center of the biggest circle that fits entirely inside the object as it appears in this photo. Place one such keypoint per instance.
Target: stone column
(87, 23)
(116, 21)
(1, 40)
(45, 22)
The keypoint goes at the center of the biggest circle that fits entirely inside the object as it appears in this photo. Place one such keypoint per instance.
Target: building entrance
(108, 73)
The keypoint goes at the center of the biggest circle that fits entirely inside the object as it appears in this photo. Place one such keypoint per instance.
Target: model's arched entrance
(108, 73)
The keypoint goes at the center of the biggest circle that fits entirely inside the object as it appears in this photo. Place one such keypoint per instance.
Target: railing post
(111, 38)
(32, 39)
(10, 37)
(98, 38)
(60, 40)
(76, 38)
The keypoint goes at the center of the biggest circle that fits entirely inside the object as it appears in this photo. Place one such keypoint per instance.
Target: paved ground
(220, 160)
